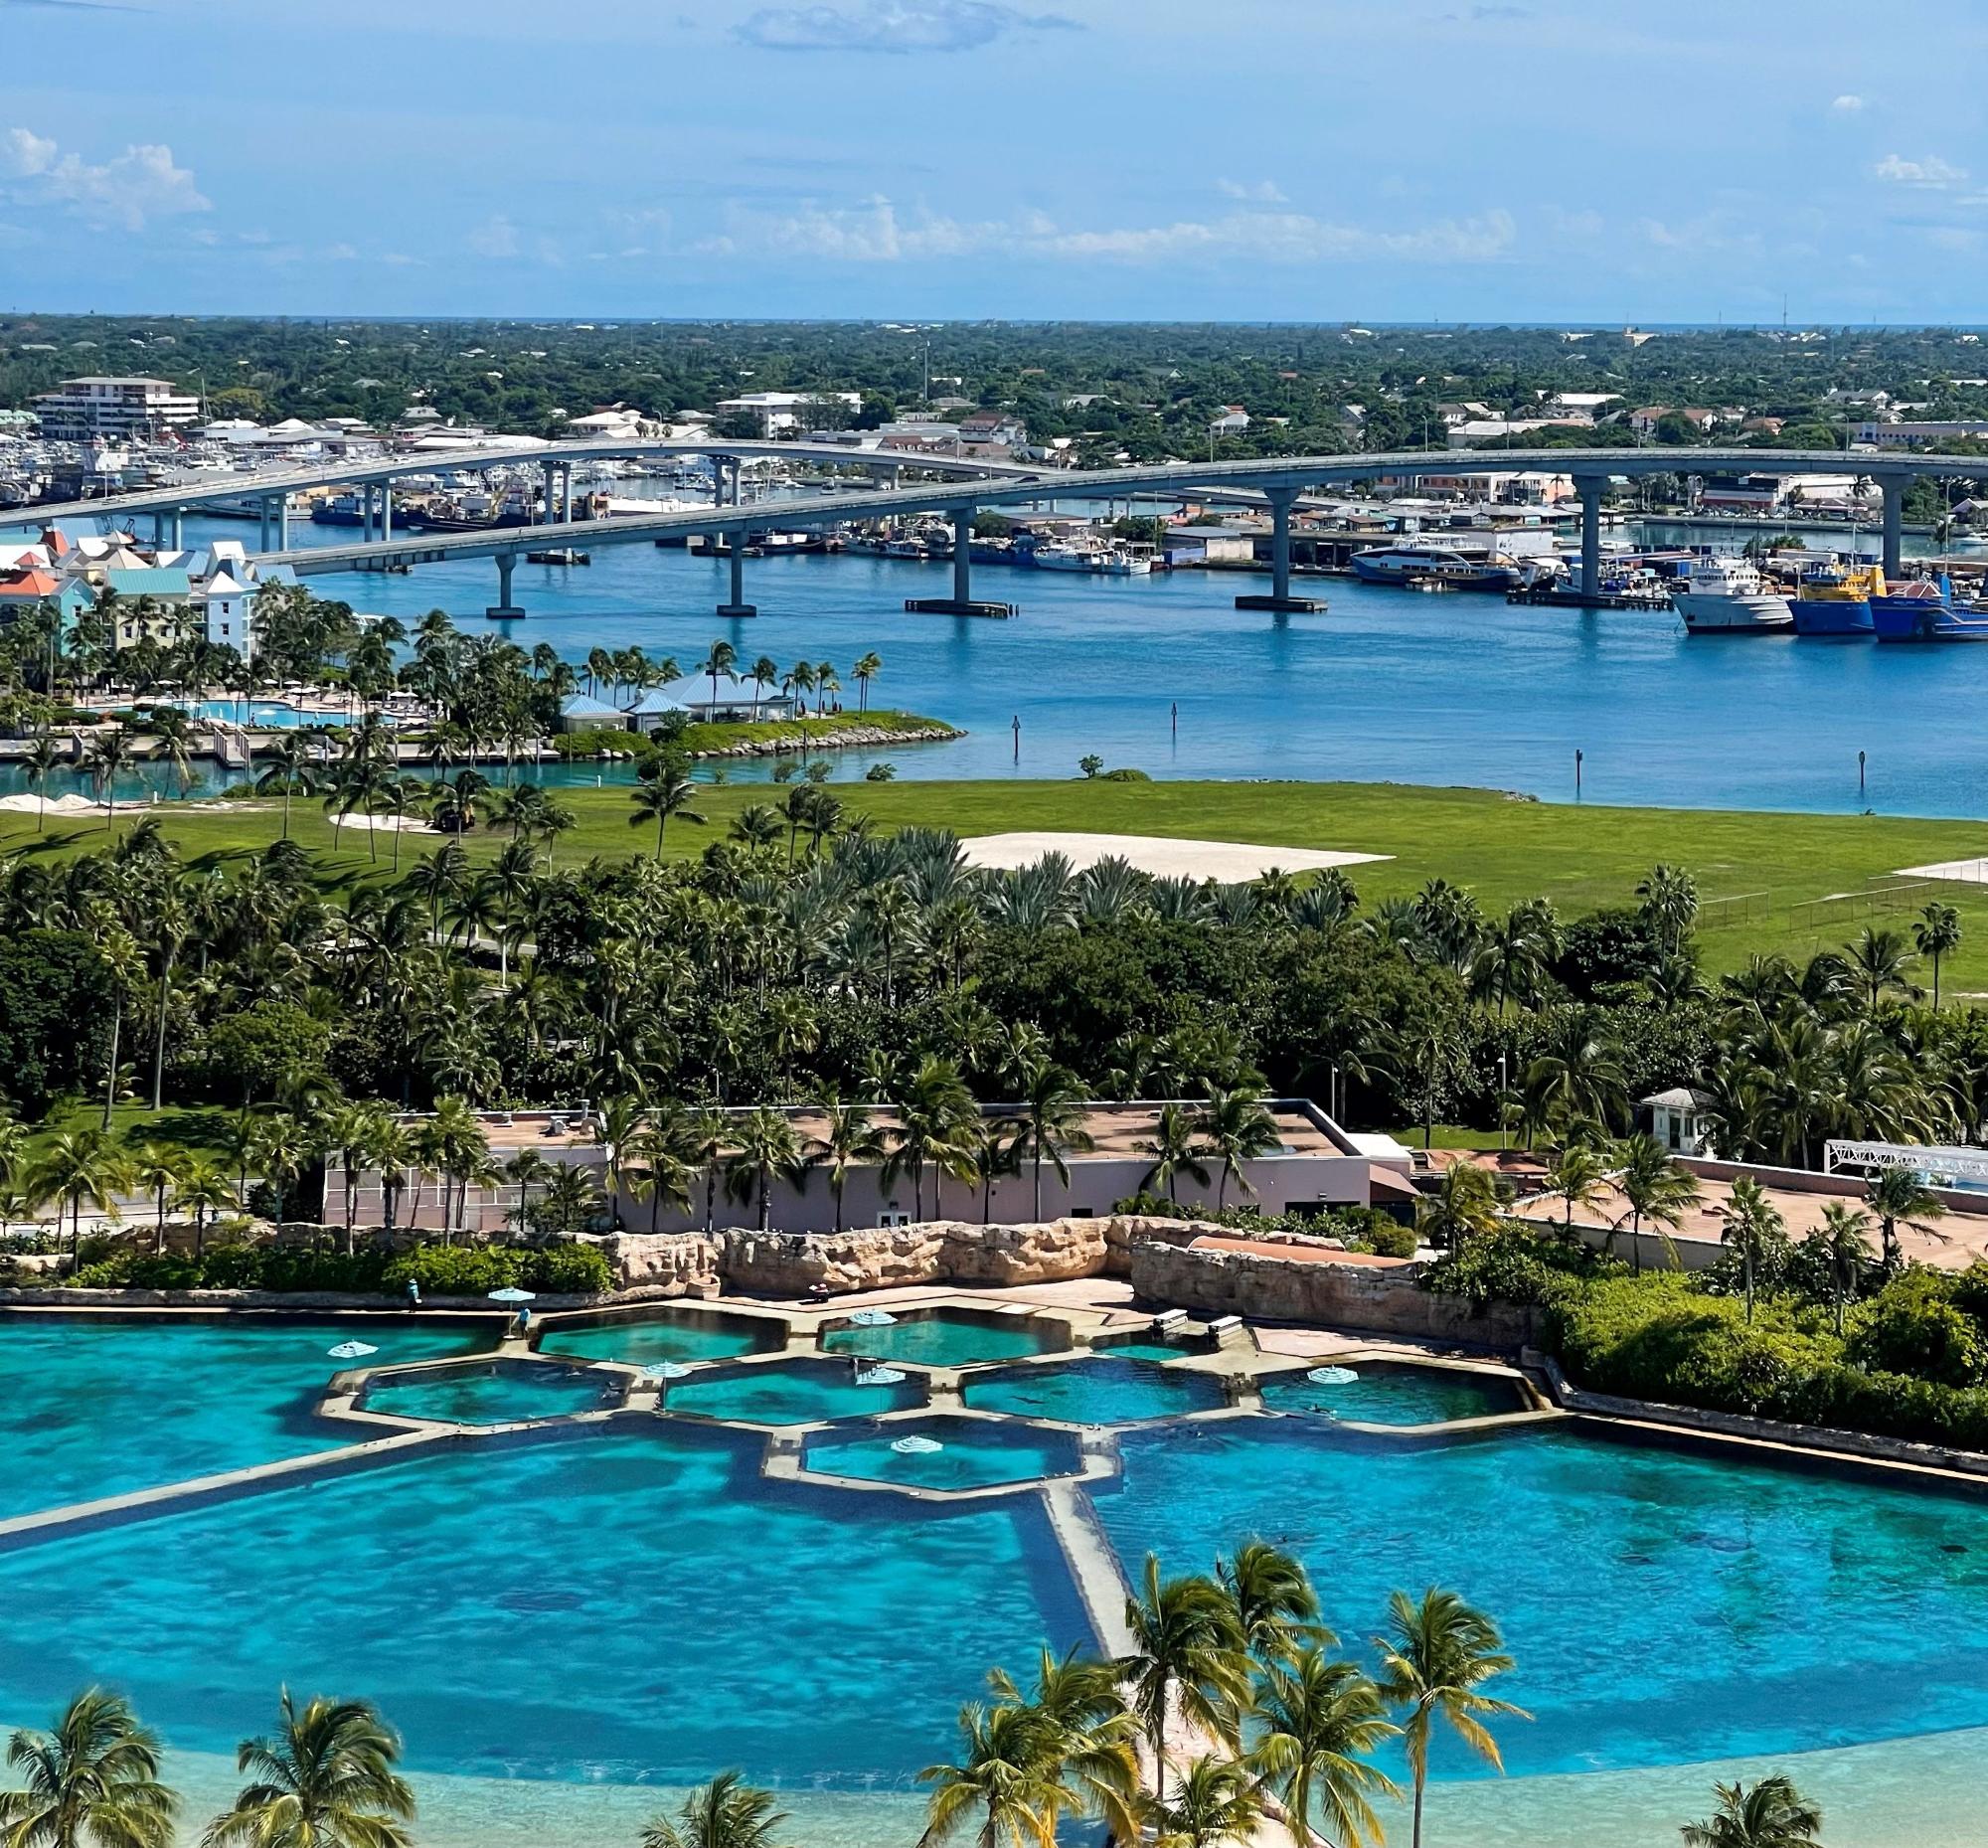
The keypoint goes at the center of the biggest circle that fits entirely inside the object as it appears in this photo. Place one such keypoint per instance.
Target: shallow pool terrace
(597, 1560)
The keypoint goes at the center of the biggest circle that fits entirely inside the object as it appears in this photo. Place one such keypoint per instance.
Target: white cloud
(893, 25)
(143, 182)
(877, 231)
(1849, 106)
(495, 237)
(1257, 192)
(24, 153)
(1931, 172)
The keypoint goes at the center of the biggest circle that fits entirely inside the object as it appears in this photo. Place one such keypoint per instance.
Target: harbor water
(1163, 674)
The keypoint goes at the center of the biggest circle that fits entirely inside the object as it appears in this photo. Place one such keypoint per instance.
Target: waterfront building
(92, 409)
(780, 411)
(1315, 1165)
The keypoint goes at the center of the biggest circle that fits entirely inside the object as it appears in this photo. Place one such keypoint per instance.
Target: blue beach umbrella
(1332, 1376)
(872, 1319)
(509, 1295)
(350, 1350)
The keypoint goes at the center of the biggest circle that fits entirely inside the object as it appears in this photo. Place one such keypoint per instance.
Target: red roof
(29, 584)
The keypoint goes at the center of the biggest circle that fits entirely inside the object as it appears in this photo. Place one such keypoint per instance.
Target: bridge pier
(282, 522)
(365, 515)
(1282, 500)
(1894, 490)
(262, 541)
(1590, 488)
(179, 528)
(386, 510)
(551, 494)
(737, 607)
(504, 607)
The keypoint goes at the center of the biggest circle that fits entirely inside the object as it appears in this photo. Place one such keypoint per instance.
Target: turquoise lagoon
(948, 1338)
(504, 1392)
(92, 1406)
(1389, 1393)
(678, 1335)
(1106, 1391)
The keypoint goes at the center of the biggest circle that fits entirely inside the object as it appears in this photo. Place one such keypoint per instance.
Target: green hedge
(440, 1270)
(1657, 1337)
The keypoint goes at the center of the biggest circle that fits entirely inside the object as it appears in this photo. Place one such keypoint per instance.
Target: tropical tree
(1090, 1734)
(866, 668)
(1054, 1108)
(1936, 933)
(669, 793)
(935, 1113)
(1467, 1200)
(1669, 898)
(848, 1138)
(1435, 1659)
(1215, 1802)
(766, 1144)
(1005, 1785)
(91, 1781)
(156, 1167)
(41, 759)
(1276, 1608)
(1189, 1655)
(326, 1778)
(1176, 1149)
(1769, 1814)
(1656, 1187)
(107, 756)
(1314, 1722)
(1841, 1248)
(1236, 1126)
(1880, 960)
(721, 660)
(290, 770)
(1752, 1226)
(727, 1812)
(76, 1166)
(1900, 1196)
(204, 1191)
(1578, 1176)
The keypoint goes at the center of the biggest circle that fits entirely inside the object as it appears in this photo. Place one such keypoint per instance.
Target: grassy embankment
(1769, 881)
(781, 735)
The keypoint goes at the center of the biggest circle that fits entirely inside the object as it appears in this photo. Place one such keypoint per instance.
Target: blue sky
(1581, 160)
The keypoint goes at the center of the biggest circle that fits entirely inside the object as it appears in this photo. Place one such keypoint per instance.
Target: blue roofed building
(693, 696)
(150, 601)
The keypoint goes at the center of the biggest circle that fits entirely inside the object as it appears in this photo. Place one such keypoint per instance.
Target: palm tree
(354, 1130)
(1771, 1814)
(109, 751)
(866, 668)
(156, 1166)
(1841, 1244)
(1005, 1782)
(1670, 906)
(1189, 1654)
(1469, 1200)
(935, 1112)
(1580, 1177)
(77, 1166)
(1275, 1606)
(1176, 1150)
(1091, 1734)
(1236, 1126)
(1053, 1111)
(1900, 1196)
(42, 757)
(721, 661)
(290, 771)
(1880, 960)
(1315, 1722)
(324, 1779)
(669, 793)
(91, 1781)
(1937, 932)
(1753, 1224)
(1215, 1802)
(727, 1812)
(117, 951)
(1436, 1656)
(203, 1187)
(764, 1145)
(1656, 1187)
(848, 1138)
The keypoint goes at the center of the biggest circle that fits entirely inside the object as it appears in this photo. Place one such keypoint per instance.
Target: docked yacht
(1460, 571)
(1729, 597)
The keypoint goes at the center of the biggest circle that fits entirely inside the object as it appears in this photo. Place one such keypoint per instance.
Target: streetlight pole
(1504, 1125)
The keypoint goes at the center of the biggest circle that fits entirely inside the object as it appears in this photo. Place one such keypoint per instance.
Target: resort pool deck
(1386, 1392)
(657, 1336)
(1104, 1391)
(500, 1392)
(949, 1337)
(93, 1406)
(943, 1453)
(789, 1391)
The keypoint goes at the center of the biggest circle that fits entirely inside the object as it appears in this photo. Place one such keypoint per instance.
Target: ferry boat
(1835, 599)
(1401, 565)
(1729, 597)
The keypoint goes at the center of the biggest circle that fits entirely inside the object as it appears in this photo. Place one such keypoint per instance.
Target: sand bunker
(1226, 861)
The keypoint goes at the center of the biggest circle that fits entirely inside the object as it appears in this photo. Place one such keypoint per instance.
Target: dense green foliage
(440, 1270)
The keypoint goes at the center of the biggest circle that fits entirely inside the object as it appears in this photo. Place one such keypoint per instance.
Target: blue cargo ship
(1835, 601)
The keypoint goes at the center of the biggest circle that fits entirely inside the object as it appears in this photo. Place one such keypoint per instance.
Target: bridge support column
(365, 515)
(282, 522)
(737, 607)
(158, 531)
(179, 528)
(386, 510)
(504, 607)
(263, 543)
(962, 555)
(1590, 488)
(1282, 500)
(1894, 489)
(551, 494)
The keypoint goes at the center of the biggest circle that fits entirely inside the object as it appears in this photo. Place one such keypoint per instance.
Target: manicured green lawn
(1770, 882)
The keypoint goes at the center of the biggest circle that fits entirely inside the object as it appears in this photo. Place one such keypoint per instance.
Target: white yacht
(1729, 597)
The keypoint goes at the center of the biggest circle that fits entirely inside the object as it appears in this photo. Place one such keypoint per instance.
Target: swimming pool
(949, 1337)
(673, 1335)
(943, 1453)
(96, 1406)
(267, 715)
(1104, 1391)
(791, 1392)
(503, 1392)
(1392, 1393)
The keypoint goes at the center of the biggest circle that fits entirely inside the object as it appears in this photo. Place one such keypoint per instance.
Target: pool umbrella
(508, 1294)
(1332, 1376)
(918, 1446)
(879, 1376)
(872, 1319)
(668, 1370)
(351, 1350)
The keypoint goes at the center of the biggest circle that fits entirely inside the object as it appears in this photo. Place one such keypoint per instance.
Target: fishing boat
(1910, 611)
(1729, 597)
(1834, 601)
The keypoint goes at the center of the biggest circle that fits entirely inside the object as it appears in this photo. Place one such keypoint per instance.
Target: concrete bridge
(1279, 481)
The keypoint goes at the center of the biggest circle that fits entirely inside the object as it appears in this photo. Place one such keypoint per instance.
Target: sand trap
(383, 824)
(1968, 872)
(1226, 861)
